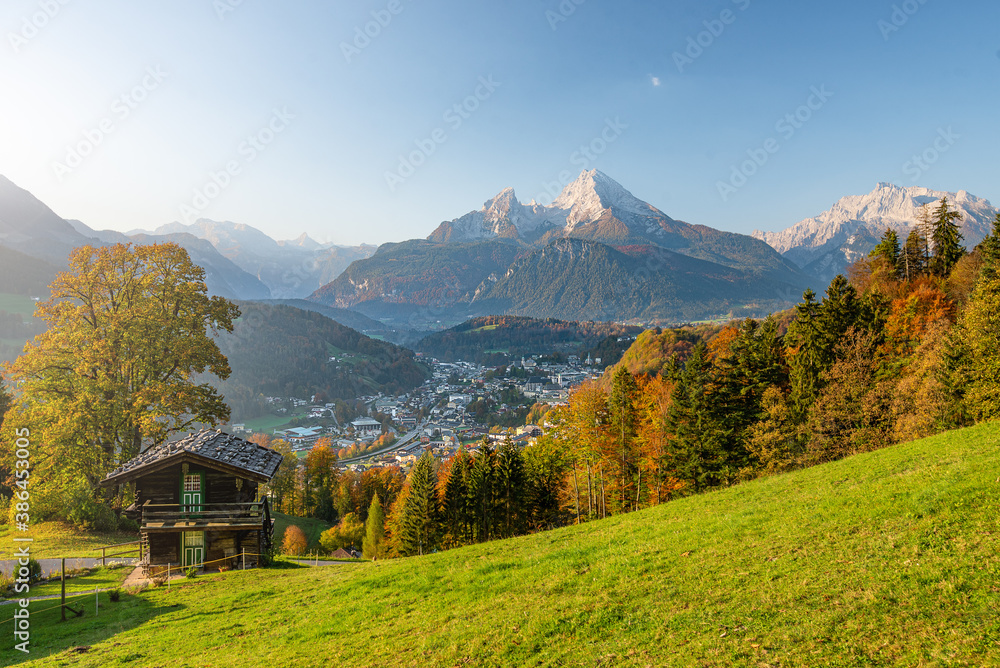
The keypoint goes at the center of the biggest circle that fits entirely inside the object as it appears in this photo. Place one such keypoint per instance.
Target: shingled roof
(226, 451)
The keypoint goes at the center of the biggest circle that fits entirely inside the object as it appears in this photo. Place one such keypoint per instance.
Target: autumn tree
(281, 487)
(120, 366)
(294, 542)
(373, 546)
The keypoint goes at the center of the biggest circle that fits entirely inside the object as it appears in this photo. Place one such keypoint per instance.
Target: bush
(115, 595)
(294, 541)
(128, 525)
(191, 573)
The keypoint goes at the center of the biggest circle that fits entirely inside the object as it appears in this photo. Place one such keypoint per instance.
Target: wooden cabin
(198, 503)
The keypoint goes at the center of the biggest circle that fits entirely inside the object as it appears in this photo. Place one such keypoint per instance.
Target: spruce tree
(888, 249)
(695, 454)
(481, 493)
(419, 521)
(947, 239)
(457, 516)
(806, 353)
(511, 491)
(373, 545)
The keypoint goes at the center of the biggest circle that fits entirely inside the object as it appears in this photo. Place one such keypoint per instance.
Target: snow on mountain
(592, 197)
(825, 244)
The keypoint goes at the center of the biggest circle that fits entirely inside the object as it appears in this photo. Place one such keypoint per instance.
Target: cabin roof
(210, 447)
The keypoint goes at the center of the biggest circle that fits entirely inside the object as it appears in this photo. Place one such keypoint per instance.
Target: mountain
(480, 339)
(576, 279)
(597, 252)
(28, 226)
(290, 269)
(278, 350)
(222, 276)
(825, 244)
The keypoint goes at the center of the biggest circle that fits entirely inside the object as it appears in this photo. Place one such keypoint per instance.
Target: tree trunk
(576, 489)
(590, 491)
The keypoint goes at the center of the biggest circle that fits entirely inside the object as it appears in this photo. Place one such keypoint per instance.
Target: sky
(375, 120)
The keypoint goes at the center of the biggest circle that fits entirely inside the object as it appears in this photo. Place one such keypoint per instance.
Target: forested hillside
(494, 340)
(278, 350)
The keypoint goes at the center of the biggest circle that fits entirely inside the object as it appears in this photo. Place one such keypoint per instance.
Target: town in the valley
(460, 405)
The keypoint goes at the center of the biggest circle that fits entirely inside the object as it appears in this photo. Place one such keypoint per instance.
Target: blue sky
(255, 111)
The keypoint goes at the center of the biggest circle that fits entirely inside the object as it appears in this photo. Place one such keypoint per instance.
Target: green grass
(103, 578)
(885, 559)
(59, 539)
(311, 527)
(266, 424)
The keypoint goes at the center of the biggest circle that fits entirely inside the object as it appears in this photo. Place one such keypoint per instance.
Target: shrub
(114, 595)
(191, 573)
(294, 541)
(34, 571)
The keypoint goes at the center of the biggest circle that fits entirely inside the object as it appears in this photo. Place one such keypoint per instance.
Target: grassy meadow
(884, 559)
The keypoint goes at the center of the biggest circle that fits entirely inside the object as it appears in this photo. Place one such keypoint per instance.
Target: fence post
(97, 600)
(103, 558)
(62, 598)
(244, 551)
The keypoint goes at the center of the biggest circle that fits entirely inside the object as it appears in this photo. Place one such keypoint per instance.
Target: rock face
(597, 252)
(824, 245)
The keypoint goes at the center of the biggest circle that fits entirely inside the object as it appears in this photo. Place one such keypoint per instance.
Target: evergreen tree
(623, 418)
(948, 248)
(456, 507)
(373, 545)
(755, 363)
(912, 263)
(419, 519)
(888, 249)
(839, 312)
(806, 346)
(481, 493)
(695, 454)
(510, 484)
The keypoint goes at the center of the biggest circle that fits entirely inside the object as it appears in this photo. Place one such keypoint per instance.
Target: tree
(806, 352)
(947, 239)
(373, 546)
(913, 261)
(294, 541)
(482, 502)
(417, 530)
(546, 464)
(623, 419)
(129, 333)
(510, 487)
(455, 504)
(282, 485)
(349, 533)
(888, 249)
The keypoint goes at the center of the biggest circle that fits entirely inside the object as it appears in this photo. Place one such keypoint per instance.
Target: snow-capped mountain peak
(838, 236)
(593, 193)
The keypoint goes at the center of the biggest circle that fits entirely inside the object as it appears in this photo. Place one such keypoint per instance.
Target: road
(410, 435)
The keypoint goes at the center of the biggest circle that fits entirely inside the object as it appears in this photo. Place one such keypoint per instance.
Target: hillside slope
(886, 558)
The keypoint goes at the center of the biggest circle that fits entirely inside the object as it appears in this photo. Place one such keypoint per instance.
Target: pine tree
(948, 248)
(511, 488)
(481, 493)
(806, 345)
(838, 313)
(419, 520)
(888, 249)
(694, 455)
(373, 545)
(456, 507)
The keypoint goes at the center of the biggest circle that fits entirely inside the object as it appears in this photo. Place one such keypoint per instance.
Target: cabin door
(194, 548)
(192, 492)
